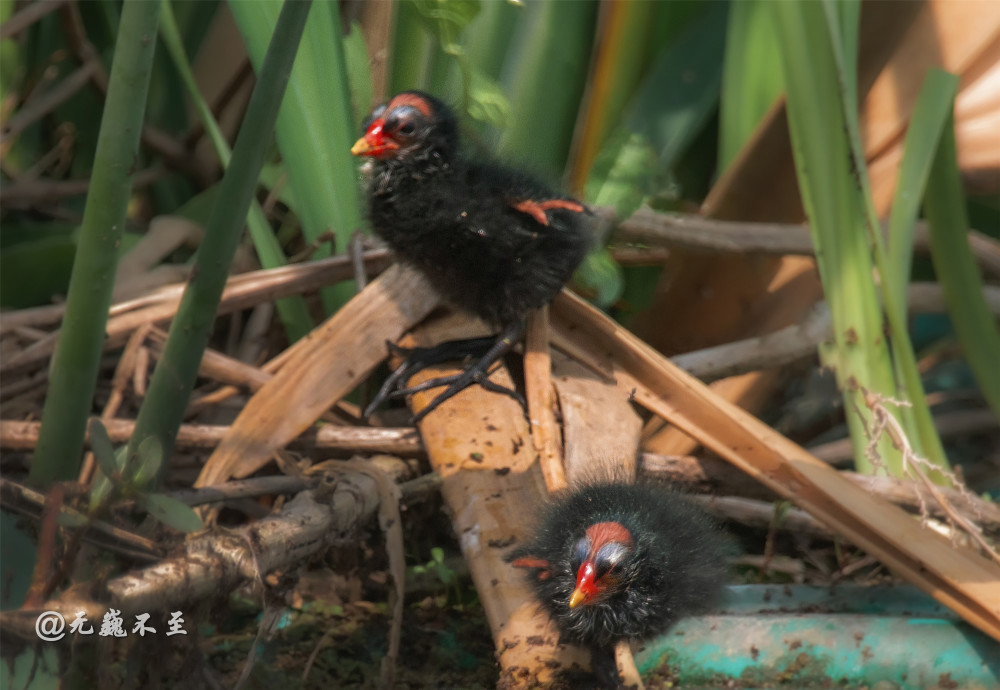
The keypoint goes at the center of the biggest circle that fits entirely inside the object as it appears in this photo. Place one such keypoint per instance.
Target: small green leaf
(446, 19)
(486, 100)
(100, 444)
(171, 512)
(624, 173)
(71, 518)
(446, 574)
(148, 461)
(100, 490)
(600, 274)
(437, 553)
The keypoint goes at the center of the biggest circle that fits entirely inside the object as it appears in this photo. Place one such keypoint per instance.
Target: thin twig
(948, 425)
(47, 102)
(242, 291)
(915, 466)
(40, 191)
(46, 554)
(357, 257)
(403, 441)
(789, 344)
(693, 232)
(27, 16)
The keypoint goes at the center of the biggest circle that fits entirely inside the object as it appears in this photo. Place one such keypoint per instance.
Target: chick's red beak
(586, 588)
(374, 142)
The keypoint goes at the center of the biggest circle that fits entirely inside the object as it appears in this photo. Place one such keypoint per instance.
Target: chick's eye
(402, 121)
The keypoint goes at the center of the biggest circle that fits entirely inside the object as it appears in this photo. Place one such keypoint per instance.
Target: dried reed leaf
(600, 426)
(330, 362)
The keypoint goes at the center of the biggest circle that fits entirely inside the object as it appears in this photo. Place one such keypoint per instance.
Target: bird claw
(456, 384)
(400, 351)
(487, 350)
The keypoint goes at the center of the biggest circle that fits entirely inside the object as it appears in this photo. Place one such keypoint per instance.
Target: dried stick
(242, 291)
(695, 232)
(26, 16)
(403, 441)
(217, 562)
(538, 387)
(28, 502)
(47, 102)
(714, 476)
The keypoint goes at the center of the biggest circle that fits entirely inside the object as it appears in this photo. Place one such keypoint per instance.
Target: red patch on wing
(601, 533)
(410, 99)
(537, 209)
(530, 562)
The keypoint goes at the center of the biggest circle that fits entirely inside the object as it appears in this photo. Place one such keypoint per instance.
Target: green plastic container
(798, 636)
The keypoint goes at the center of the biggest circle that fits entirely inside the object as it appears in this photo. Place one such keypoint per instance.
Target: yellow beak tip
(360, 146)
(576, 598)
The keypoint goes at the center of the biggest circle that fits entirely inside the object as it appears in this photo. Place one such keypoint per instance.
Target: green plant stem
(842, 20)
(81, 340)
(315, 130)
(293, 311)
(832, 196)
(173, 379)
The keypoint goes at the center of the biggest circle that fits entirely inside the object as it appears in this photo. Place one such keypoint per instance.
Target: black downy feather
(454, 219)
(678, 566)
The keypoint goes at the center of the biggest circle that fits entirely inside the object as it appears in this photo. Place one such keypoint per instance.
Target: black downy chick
(613, 561)
(493, 241)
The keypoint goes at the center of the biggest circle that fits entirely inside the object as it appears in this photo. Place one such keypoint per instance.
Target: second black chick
(493, 241)
(613, 561)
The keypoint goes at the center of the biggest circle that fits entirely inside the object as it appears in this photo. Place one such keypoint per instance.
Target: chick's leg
(486, 351)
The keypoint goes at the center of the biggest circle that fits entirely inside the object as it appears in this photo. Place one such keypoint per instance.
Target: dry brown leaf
(328, 363)
(600, 426)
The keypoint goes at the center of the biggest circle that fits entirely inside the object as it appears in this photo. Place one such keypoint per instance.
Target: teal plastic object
(801, 636)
